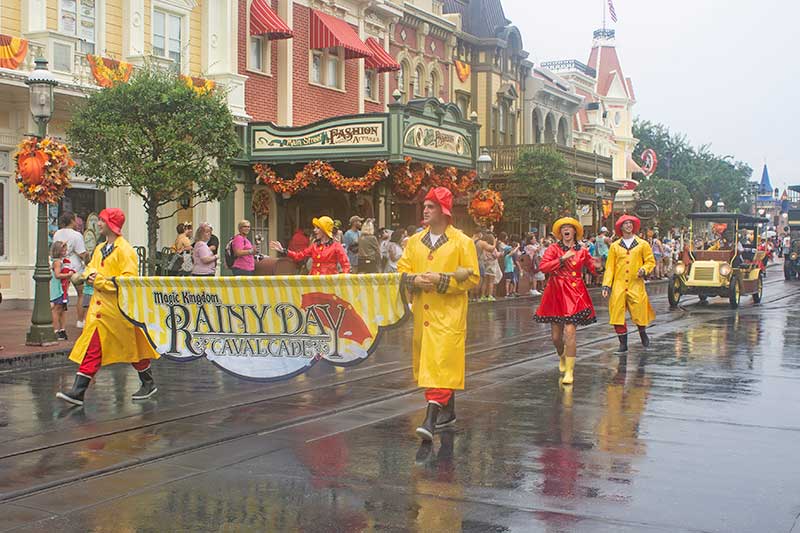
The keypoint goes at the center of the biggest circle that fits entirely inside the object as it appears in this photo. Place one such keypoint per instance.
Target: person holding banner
(108, 337)
(327, 255)
(630, 260)
(439, 267)
(566, 303)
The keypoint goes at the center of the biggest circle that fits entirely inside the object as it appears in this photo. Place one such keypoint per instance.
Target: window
(371, 85)
(79, 18)
(167, 36)
(463, 104)
(62, 57)
(402, 80)
(327, 68)
(5, 176)
(502, 118)
(260, 55)
(419, 76)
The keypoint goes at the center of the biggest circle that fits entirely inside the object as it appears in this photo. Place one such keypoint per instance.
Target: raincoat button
(574, 284)
(427, 323)
(97, 316)
(426, 307)
(99, 302)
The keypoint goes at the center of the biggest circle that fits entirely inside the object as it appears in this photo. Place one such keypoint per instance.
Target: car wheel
(734, 292)
(674, 291)
(757, 296)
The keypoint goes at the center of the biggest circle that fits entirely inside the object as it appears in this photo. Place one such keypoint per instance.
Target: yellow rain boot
(562, 363)
(567, 380)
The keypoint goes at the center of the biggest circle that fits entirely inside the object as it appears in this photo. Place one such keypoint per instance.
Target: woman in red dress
(566, 303)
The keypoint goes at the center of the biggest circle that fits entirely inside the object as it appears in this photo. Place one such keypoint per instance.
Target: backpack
(229, 256)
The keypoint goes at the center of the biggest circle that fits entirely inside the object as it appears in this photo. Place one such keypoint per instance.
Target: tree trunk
(152, 237)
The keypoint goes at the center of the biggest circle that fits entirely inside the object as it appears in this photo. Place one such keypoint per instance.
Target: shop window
(502, 118)
(327, 68)
(463, 104)
(167, 36)
(259, 57)
(82, 202)
(371, 85)
(419, 76)
(79, 19)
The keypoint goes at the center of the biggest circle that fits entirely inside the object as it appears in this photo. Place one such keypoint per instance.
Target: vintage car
(720, 259)
(791, 257)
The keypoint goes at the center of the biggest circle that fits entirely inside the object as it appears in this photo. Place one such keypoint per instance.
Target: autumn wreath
(486, 207)
(42, 169)
(261, 201)
(316, 170)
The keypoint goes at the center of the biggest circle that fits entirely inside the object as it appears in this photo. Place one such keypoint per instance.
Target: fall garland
(42, 169)
(260, 203)
(316, 170)
(408, 178)
(450, 179)
(486, 207)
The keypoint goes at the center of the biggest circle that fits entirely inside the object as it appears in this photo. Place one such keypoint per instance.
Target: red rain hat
(443, 197)
(637, 224)
(114, 219)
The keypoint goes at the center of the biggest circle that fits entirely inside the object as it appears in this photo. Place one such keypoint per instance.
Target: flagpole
(604, 14)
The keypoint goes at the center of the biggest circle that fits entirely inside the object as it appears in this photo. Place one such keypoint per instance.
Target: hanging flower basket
(261, 200)
(42, 170)
(486, 207)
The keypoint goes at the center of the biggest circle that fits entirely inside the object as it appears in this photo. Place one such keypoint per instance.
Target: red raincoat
(326, 258)
(565, 299)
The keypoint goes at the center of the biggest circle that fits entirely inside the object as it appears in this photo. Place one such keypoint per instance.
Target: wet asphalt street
(699, 432)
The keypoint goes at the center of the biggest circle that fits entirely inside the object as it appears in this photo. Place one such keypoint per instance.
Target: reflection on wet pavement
(698, 433)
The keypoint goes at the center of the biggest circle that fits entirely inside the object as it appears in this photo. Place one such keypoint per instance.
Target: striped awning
(380, 61)
(329, 32)
(264, 22)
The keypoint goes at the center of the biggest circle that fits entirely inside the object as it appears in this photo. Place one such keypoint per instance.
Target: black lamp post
(599, 191)
(41, 84)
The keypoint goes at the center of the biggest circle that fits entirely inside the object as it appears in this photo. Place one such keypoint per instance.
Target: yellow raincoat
(627, 288)
(440, 316)
(122, 342)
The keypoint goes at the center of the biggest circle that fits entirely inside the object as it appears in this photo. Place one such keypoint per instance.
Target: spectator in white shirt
(76, 253)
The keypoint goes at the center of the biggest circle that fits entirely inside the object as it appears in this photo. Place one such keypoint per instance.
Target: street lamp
(709, 203)
(599, 191)
(41, 84)
(720, 206)
(484, 168)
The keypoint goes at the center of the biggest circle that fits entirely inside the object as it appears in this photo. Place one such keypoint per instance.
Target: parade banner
(264, 328)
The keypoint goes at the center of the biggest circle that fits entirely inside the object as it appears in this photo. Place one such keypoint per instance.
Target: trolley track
(540, 339)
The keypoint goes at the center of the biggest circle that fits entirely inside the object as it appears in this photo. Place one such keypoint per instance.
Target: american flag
(611, 10)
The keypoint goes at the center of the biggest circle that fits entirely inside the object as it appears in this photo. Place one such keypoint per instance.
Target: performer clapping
(566, 303)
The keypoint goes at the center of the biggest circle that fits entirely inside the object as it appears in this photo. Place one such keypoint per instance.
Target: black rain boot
(643, 335)
(623, 344)
(447, 416)
(428, 427)
(148, 387)
(75, 395)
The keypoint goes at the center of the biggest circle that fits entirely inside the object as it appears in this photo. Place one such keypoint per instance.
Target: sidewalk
(14, 325)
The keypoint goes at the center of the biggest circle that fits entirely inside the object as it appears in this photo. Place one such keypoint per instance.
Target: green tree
(672, 198)
(541, 185)
(159, 137)
(705, 174)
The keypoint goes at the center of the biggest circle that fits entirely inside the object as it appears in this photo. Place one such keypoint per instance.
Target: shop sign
(264, 328)
(366, 134)
(438, 140)
(646, 209)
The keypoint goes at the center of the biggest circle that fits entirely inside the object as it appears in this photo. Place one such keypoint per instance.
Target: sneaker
(79, 324)
(61, 335)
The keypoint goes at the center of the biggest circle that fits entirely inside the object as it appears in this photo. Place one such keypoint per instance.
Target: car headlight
(725, 270)
(793, 257)
(680, 269)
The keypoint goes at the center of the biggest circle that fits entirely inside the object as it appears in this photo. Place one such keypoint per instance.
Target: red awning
(264, 21)
(380, 61)
(329, 32)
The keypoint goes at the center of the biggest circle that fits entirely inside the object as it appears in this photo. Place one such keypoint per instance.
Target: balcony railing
(581, 164)
(75, 71)
(566, 65)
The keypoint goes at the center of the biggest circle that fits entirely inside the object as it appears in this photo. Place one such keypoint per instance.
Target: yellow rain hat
(568, 221)
(325, 224)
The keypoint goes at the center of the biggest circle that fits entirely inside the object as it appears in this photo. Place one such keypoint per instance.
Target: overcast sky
(723, 72)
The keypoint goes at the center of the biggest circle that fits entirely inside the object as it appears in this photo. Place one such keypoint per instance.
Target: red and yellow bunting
(199, 85)
(462, 70)
(12, 51)
(107, 72)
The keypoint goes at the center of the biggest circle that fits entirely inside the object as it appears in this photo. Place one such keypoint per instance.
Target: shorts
(509, 276)
(539, 276)
(61, 300)
(87, 299)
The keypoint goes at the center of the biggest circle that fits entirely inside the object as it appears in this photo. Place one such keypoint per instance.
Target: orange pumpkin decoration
(482, 207)
(31, 166)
